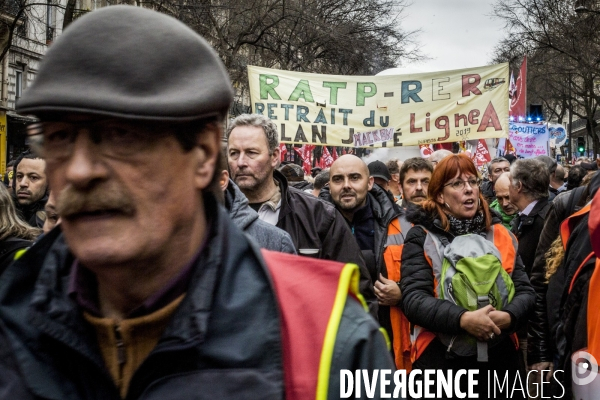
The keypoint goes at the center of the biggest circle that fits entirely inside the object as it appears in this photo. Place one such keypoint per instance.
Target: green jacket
(505, 217)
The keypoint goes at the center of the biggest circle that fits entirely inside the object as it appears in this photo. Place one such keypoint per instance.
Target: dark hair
(392, 166)
(549, 162)
(445, 171)
(416, 164)
(533, 175)
(576, 175)
(321, 179)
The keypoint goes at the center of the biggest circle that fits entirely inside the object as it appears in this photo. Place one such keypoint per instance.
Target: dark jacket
(384, 211)
(528, 229)
(314, 223)
(9, 248)
(223, 342)
(266, 235)
(418, 301)
(539, 345)
(487, 190)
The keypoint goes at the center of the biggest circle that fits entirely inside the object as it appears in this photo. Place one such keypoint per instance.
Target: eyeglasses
(113, 138)
(460, 184)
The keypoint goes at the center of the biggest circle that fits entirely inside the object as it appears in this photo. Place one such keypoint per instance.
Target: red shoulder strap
(311, 294)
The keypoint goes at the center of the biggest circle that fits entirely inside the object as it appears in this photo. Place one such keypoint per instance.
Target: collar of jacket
(384, 211)
(284, 190)
(535, 211)
(416, 215)
(47, 265)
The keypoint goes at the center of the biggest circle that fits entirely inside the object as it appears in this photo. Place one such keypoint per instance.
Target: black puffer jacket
(540, 347)
(223, 341)
(418, 301)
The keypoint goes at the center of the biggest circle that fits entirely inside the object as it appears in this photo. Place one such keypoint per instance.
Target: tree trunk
(69, 11)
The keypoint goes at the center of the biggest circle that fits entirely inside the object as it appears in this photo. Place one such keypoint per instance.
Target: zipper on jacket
(450, 345)
(121, 357)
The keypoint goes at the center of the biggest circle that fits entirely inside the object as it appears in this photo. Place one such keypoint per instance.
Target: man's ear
(371, 182)
(208, 146)
(276, 157)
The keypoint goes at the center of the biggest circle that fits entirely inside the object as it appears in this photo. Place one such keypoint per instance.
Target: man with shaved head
(502, 204)
(374, 218)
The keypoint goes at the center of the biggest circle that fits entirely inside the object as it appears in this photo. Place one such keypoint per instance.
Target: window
(18, 83)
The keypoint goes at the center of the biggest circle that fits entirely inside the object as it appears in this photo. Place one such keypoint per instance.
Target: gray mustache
(72, 201)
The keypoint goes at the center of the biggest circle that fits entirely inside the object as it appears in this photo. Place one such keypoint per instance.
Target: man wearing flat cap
(149, 290)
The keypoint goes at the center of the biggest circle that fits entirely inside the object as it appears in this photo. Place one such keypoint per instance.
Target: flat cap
(130, 62)
(293, 172)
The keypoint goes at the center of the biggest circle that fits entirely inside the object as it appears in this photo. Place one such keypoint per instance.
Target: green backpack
(472, 277)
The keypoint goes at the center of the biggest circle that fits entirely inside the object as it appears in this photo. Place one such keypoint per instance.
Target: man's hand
(387, 291)
(502, 319)
(479, 324)
(542, 366)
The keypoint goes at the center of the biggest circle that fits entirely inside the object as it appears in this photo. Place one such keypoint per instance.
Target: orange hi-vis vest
(504, 241)
(392, 256)
(306, 288)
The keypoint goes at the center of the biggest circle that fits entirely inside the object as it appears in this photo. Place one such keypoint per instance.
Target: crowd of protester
(131, 255)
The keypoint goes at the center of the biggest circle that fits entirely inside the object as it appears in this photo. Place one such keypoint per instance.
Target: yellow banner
(388, 110)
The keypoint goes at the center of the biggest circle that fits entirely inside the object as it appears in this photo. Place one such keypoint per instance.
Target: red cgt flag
(327, 158)
(481, 154)
(305, 152)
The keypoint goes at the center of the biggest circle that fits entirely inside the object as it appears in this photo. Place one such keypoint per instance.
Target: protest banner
(558, 133)
(383, 111)
(529, 140)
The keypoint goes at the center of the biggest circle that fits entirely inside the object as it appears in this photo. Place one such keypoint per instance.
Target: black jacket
(418, 301)
(384, 211)
(223, 342)
(539, 345)
(528, 230)
(314, 223)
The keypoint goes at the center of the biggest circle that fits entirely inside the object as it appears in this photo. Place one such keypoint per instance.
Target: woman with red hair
(456, 207)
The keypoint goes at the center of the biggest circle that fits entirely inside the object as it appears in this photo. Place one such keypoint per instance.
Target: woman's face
(460, 196)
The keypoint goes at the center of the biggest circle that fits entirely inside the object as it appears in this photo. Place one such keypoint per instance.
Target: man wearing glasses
(148, 290)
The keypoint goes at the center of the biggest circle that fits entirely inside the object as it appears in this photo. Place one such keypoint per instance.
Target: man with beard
(315, 226)
(31, 188)
(414, 180)
(149, 290)
(375, 221)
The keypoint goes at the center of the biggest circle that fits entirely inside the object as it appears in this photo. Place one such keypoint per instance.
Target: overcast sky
(455, 33)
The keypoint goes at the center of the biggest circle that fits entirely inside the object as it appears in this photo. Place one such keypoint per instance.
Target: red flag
(517, 108)
(481, 154)
(327, 158)
(305, 152)
(283, 151)
(334, 155)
